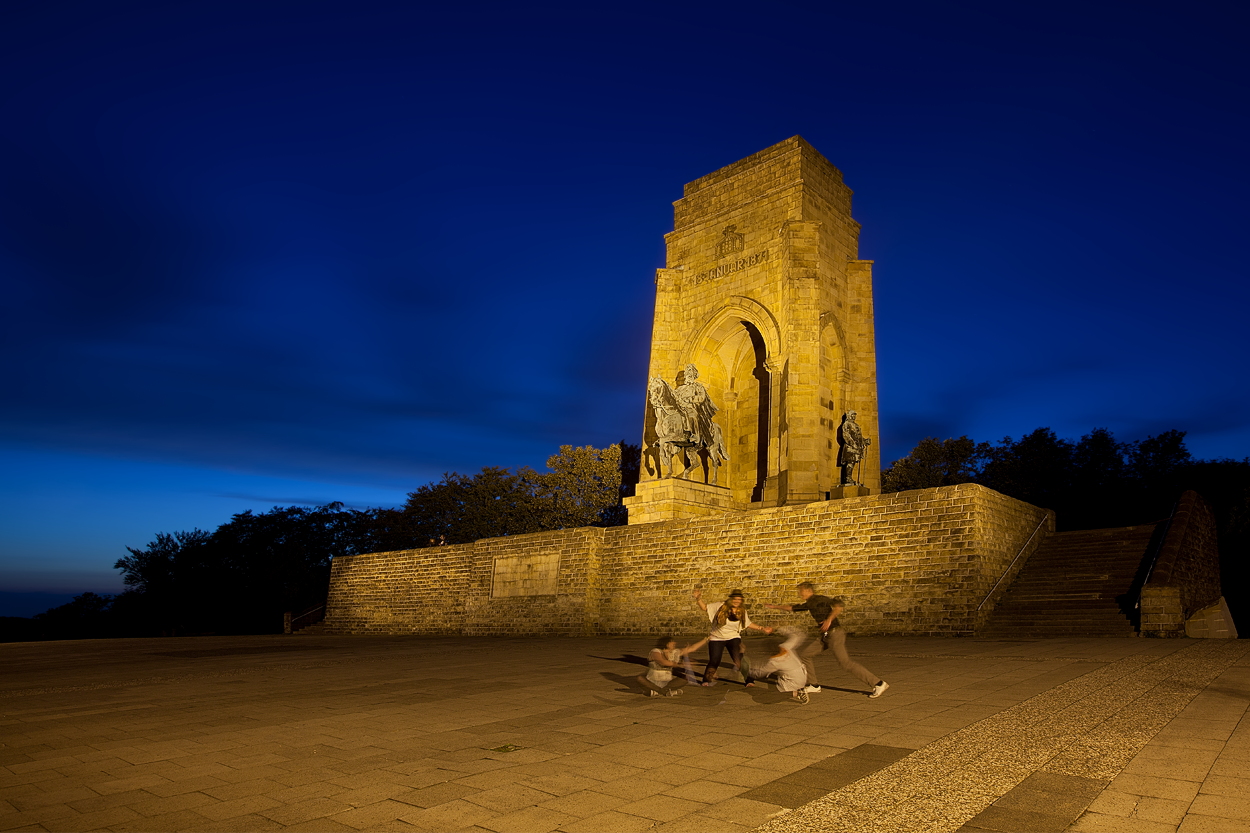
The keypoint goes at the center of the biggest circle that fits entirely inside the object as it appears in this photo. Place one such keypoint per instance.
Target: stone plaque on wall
(525, 575)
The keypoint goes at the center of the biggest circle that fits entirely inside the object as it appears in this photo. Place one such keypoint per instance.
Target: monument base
(839, 492)
(925, 561)
(673, 498)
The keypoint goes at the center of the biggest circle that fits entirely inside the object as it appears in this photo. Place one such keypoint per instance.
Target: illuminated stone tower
(765, 294)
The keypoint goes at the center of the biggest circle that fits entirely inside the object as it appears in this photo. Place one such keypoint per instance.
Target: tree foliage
(1096, 482)
(242, 576)
(245, 574)
(1093, 482)
(583, 487)
(935, 462)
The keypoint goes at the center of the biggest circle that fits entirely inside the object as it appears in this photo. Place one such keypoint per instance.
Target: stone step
(1071, 585)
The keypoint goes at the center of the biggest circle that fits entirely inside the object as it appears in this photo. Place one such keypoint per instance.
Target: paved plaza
(507, 734)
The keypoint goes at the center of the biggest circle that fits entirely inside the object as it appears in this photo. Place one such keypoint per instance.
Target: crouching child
(786, 662)
(665, 657)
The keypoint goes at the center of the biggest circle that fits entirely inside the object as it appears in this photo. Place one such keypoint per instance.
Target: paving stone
(633, 788)
(1189, 764)
(1164, 810)
(742, 776)
(609, 822)
(164, 822)
(157, 805)
(1013, 819)
(372, 816)
(702, 824)
(1227, 785)
(1099, 823)
(584, 803)
(784, 793)
(1069, 807)
(707, 792)
(435, 795)
(248, 822)
(1156, 786)
(236, 807)
(741, 811)
(1112, 802)
(508, 798)
(417, 748)
(1224, 806)
(527, 820)
(311, 808)
(1196, 823)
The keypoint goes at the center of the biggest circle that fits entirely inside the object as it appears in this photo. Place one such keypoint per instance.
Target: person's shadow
(630, 658)
(630, 684)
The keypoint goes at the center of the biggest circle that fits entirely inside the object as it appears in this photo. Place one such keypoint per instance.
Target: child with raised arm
(791, 673)
(664, 657)
(729, 620)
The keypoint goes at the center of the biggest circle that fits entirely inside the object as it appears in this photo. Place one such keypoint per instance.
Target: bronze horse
(674, 438)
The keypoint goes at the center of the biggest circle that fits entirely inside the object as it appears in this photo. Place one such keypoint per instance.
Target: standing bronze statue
(683, 424)
(853, 445)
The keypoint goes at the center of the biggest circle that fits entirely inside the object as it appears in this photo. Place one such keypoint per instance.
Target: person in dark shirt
(825, 612)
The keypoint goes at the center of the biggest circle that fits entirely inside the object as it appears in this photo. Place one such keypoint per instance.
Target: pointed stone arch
(734, 349)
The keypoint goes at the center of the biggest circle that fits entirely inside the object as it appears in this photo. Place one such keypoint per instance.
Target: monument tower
(764, 325)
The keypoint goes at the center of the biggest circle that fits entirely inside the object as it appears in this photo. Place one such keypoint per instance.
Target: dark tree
(170, 576)
(935, 462)
(462, 508)
(1099, 483)
(242, 577)
(1036, 469)
(86, 617)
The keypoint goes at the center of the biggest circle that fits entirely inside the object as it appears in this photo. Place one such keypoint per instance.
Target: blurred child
(664, 657)
(791, 675)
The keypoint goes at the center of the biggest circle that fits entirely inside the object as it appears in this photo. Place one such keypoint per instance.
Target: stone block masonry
(1186, 574)
(918, 562)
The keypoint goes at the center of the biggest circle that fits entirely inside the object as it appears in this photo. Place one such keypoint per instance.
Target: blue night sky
(273, 253)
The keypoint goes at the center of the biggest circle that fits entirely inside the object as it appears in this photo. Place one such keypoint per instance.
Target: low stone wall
(918, 562)
(1186, 574)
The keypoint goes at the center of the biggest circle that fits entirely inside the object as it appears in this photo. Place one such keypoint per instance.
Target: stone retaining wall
(918, 562)
(1186, 575)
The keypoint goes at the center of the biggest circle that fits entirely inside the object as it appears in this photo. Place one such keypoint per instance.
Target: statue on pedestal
(683, 421)
(853, 444)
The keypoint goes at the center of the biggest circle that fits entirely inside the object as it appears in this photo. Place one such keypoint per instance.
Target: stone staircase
(1079, 583)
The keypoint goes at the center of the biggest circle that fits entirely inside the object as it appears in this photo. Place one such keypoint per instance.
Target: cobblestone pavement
(417, 733)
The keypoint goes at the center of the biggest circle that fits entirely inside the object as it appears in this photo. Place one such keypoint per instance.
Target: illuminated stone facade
(765, 294)
(923, 562)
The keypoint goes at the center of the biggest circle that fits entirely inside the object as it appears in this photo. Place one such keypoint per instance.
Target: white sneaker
(878, 690)
(654, 693)
(812, 689)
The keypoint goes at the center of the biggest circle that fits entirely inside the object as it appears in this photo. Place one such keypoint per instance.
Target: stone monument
(764, 322)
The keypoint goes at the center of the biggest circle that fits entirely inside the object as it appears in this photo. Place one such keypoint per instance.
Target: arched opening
(732, 350)
(743, 354)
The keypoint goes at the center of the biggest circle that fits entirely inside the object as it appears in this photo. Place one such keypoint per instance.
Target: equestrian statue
(684, 426)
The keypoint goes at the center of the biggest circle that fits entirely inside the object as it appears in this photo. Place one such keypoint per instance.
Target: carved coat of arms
(731, 242)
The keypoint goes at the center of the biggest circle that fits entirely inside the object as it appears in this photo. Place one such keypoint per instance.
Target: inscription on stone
(525, 575)
(732, 266)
